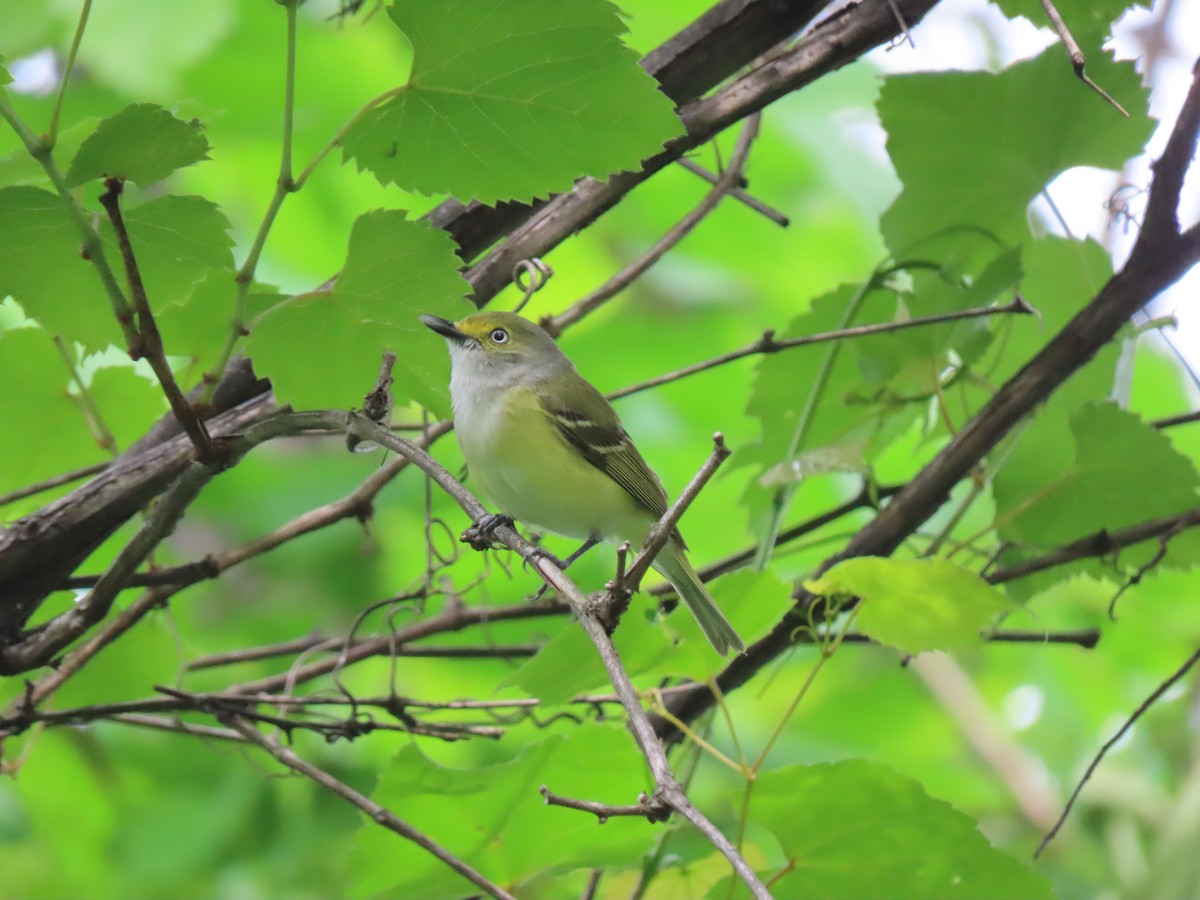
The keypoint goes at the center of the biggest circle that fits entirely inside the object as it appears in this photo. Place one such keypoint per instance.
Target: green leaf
(197, 327)
(973, 148)
(21, 168)
(848, 415)
(142, 143)
(5, 78)
(323, 349)
(857, 829)
(176, 242)
(1123, 472)
(915, 604)
(45, 433)
(915, 361)
(1089, 20)
(497, 819)
(516, 103)
(42, 268)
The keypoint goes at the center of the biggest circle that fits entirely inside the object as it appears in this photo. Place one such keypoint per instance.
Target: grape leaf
(45, 433)
(973, 148)
(915, 604)
(516, 103)
(859, 829)
(21, 168)
(42, 268)
(913, 362)
(176, 241)
(1123, 472)
(1089, 20)
(323, 349)
(142, 143)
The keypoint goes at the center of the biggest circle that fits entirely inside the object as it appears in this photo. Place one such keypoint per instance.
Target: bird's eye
(499, 336)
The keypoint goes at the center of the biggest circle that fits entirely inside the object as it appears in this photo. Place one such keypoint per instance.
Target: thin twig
(901, 24)
(1172, 421)
(768, 344)
(1077, 59)
(1108, 745)
(723, 185)
(738, 193)
(1101, 543)
(646, 807)
(284, 185)
(664, 528)
(49, 483)
(379, 814)
(68, 70)
(667, 786)
(91, 412)
(149, 344)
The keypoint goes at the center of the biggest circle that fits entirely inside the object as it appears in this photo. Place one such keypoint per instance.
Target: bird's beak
(445, 328)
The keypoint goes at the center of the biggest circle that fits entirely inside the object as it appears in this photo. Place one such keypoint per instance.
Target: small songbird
(549, 450)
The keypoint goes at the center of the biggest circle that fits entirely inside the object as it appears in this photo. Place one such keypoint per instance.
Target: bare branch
(832, 43)
(1111, 742)
(738, 193)
(1101, 543)
(49, 483)
(724, 185)
(1076, 55)
(767, 344)
(665, 527)
(668, 787)
(1158, 259)
(649, 808)
(379, 814)
(148, 344)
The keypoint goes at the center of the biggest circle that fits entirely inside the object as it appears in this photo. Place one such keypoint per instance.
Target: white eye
(499, 336)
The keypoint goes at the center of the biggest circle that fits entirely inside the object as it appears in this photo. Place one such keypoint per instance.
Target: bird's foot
(482, 535)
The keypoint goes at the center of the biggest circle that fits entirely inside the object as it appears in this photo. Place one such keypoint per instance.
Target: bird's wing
(594, 430)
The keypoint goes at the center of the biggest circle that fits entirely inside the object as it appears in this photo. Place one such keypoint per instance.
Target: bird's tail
(672, 563)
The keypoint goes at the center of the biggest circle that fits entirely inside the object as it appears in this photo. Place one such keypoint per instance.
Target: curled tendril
(530, 276)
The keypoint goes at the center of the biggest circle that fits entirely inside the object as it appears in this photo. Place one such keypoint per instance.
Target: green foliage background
(878, 785)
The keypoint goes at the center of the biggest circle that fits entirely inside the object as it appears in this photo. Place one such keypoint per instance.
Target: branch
(1160, 256)
(1101, 543)
(1111, 742)
(379, 814)
(665, 527)
(50, 483)
(649, 808)
(554, 325)
(668, 787)
(38, 647)
(40, 550)
(715, 46)
(767, 344)
(148, 344)
(738, 193)
(1076, 55)
(834, 42)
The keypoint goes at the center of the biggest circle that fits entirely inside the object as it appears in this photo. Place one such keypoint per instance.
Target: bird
(548, 449)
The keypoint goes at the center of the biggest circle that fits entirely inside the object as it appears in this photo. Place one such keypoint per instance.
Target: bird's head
(498, 342)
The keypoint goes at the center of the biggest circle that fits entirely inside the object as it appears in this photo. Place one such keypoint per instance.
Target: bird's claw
(482, 535)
